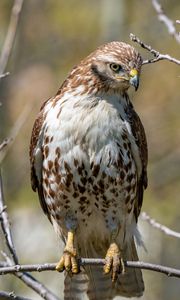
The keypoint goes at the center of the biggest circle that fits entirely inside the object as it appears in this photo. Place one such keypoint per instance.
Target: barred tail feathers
(92, 284)
(75, 287)
(100, 285)
(131, 283)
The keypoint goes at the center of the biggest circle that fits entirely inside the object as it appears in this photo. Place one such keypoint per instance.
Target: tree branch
(4, 144)
(4, 220)
(17, 270)
(11, 33)
(36, 286)
(7, 143)
(170, 25)
(155, 224)
(4, 75)
(89, 261)
(30, 281)
(11, 295)
(158, 56)
(25, 277)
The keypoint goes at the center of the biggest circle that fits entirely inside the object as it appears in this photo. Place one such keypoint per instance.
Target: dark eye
(115, 67)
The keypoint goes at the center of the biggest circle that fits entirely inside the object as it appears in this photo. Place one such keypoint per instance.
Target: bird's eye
(115, 67)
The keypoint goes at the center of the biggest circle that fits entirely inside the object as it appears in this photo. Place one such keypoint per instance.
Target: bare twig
(4, 143)
(3, 209)
(36, 286)
(5, 53)
(154, 223)
(7, 143)
(30, 281)
(158, 56)
(10, 37)
(4, 75)
(7, 47)
(170, 272)
(11, 295)
(170, 25)
(5, 269)
(4, 220)
(93, 262)
(25, 277)
(3, 263)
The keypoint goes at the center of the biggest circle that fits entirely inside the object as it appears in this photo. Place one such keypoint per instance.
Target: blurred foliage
(53, 36)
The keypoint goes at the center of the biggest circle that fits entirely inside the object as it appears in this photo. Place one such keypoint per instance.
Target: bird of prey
(88, 158)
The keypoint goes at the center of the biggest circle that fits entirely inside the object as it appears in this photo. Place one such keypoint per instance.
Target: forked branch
(157, 55)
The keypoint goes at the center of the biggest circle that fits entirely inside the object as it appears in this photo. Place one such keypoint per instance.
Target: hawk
(88, 158)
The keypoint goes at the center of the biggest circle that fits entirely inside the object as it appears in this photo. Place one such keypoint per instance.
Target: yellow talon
(114, 261)
(108, 264)
(60, 265)
(75, 269)
(68, 261)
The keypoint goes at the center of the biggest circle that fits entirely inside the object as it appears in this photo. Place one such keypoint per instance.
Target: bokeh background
(53, 36)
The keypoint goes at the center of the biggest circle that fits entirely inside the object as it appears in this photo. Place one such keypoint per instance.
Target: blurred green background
(53, 36)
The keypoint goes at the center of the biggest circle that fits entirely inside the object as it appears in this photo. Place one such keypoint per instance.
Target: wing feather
(36, 158)
(141, 142)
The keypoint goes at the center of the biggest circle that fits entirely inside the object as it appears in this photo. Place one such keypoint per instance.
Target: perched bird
(88, 158)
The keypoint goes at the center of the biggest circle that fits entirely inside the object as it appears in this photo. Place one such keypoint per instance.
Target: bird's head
(112, 67)
(115, 66)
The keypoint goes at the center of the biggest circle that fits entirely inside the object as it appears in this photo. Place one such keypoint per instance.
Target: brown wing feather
(36, 182)
(140, 137)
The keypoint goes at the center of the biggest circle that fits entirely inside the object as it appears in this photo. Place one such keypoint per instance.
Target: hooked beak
(134, 78)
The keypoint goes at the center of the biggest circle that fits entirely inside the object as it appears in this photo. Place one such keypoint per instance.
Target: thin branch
(7, 143)
(170, 25)
(170, 272)
(5, 269)
(11, 33)
(3, 264)
(4, 220)
(11, 295)
(30, 281)
(4, 75)
(158, 56)
(3, 209)
(93, 262)
(6, 51)
(155, 224)
(34, 284)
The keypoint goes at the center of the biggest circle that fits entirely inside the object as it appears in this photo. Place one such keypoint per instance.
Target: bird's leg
(114, 261)
(68, 261)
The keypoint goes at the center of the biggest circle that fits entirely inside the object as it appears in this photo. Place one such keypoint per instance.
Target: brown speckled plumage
(88, 158)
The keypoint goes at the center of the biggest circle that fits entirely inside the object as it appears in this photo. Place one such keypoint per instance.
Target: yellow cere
(133, 72)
